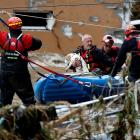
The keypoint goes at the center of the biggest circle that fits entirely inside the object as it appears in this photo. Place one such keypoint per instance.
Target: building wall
(56, 41)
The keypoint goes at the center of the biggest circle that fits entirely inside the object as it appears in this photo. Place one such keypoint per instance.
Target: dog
(75, 60)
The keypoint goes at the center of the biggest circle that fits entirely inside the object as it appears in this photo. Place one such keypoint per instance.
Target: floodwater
(56, 63)
(51, 61)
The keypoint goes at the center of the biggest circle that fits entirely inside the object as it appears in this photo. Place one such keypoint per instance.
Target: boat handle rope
(87, 84)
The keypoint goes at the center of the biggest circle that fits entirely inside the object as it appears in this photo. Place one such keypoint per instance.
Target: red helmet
(108, 39)
(15, 23)
(129, 29)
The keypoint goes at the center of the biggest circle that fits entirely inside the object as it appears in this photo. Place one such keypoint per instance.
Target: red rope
(56, 73)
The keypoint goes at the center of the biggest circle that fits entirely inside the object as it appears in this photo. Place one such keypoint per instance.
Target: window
(36, 20)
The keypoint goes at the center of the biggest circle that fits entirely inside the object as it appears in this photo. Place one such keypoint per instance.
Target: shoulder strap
(9, 35)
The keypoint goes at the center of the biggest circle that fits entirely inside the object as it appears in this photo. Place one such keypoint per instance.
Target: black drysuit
(15, 77)
(130, 45)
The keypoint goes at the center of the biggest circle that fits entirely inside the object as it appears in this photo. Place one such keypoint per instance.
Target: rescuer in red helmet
(14, 23)
(109, 48)
(131, 45)
(130, 29)
(15, 77)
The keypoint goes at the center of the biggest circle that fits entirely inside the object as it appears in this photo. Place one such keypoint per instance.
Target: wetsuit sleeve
(36, 44)
(120, 58)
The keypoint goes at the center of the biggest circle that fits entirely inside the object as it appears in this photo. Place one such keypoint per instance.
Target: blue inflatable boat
(56, 88)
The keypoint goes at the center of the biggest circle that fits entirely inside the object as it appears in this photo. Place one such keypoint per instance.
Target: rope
(4, 22)
(61, 20)
(87, 84)
(39, 73)
(78, 4)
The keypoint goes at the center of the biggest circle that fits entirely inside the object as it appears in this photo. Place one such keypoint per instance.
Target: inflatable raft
(56, 88)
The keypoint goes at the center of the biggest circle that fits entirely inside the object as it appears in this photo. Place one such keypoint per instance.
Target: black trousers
(19, 83)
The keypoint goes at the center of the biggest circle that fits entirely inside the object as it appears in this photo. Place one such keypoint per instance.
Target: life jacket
(11, 44)
(88, 57)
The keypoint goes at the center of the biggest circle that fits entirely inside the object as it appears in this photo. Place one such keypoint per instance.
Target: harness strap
(9, 35)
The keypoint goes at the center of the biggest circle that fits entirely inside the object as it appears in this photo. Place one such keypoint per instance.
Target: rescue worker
(15, 76)
(131, 45)
(92, 55)
(109, 49)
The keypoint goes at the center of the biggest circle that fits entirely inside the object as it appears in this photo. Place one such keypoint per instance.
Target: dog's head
(76, 61)
(72, 59)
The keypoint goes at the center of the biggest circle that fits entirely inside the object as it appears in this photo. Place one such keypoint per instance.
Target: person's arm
(120, 58)
(103, 58)
(31, 43)
(36, 44)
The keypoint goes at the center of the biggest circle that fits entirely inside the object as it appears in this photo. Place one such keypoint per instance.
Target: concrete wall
(56, 41)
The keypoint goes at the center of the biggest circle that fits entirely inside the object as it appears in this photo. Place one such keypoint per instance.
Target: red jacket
(94, 57)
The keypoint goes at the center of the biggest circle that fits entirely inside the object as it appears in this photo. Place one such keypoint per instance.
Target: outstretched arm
(120, 58)
(36, 44)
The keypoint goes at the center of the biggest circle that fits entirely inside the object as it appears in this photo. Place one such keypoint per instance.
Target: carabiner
(87, 84)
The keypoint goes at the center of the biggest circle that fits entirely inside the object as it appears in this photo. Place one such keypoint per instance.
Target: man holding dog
(93, 56)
